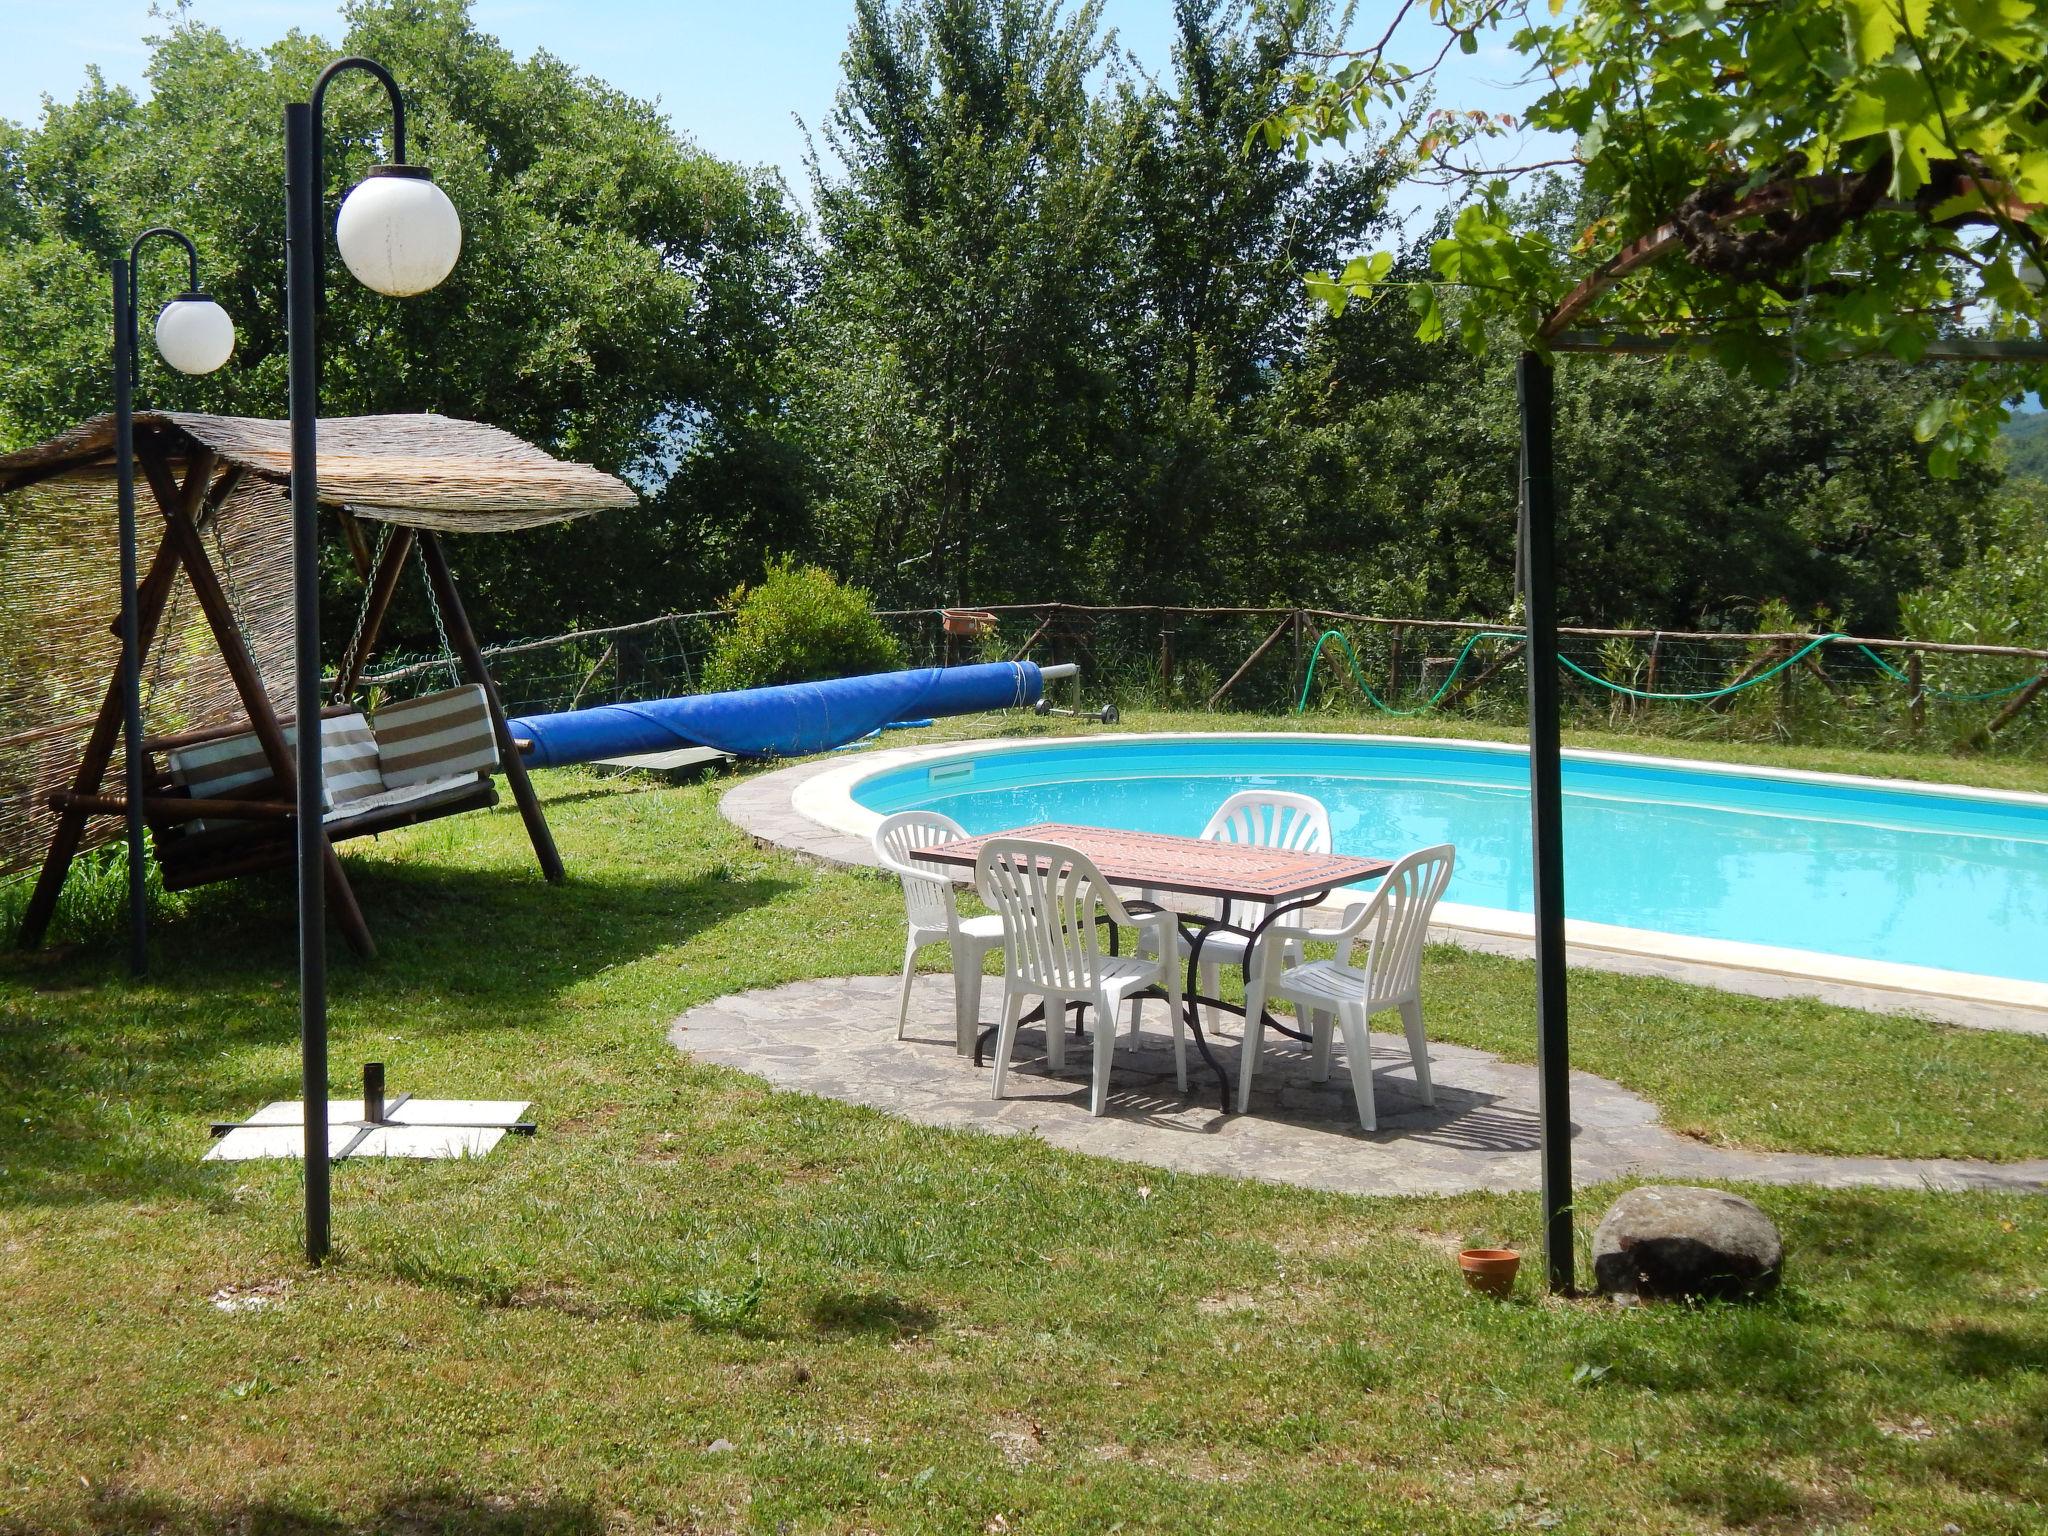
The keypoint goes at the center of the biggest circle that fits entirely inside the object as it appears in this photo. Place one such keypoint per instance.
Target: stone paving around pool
(837, 1038)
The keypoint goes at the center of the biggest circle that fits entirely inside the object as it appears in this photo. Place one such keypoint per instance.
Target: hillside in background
(2026, 446)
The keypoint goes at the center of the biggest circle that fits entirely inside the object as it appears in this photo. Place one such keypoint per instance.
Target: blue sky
(732, 76)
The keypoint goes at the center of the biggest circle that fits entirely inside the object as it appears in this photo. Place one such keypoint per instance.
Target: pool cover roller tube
(787, 721)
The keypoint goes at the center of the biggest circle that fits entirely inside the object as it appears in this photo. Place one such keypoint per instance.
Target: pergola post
(463, 638)
(1533, 382)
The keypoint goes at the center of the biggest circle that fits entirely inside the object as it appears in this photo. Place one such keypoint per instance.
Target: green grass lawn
(691, 1304)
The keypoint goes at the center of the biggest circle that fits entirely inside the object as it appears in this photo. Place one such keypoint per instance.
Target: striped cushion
(436, 736)
(348, 764)
(348, 759)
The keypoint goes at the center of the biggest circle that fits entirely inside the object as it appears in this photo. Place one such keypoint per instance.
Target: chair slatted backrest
(1396, 920)
(927, 889)
(1049, 897)
(1269, 818)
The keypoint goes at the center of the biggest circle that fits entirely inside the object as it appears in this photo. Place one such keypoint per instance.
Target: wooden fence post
(1486, 674)
(1916, 685)
(1773, 653)
(1246, 665)
(2011, 712)
(1024, 650)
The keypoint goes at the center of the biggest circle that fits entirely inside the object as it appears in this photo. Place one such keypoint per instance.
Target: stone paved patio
(836, 1038)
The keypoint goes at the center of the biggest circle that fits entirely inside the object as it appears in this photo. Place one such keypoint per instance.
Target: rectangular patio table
(1281, 879)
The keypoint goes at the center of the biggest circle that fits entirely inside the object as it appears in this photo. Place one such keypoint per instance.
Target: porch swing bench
(219, 789)
(216, 810)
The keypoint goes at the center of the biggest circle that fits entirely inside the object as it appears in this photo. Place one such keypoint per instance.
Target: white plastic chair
(1263, 818)
(934, 916)
(1049, 898)
(1392, 924)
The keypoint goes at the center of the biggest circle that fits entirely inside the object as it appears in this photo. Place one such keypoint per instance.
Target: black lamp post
(194, 335)
(399, 234)
(1534, 387)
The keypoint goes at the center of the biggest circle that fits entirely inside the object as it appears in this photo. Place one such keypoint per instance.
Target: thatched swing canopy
(215, 603)
(419, 471)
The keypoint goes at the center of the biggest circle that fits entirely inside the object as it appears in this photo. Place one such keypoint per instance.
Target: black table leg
(1252, 949)
(1192, 999)
(1252, 936)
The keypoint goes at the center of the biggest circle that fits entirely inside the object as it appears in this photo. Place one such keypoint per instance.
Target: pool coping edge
(808, 809)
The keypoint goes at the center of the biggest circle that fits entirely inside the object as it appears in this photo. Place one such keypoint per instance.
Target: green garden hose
(1458, 666)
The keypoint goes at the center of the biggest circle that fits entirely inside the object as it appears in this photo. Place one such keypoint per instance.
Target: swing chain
(355, 639)
(447, 659)
(152, 678)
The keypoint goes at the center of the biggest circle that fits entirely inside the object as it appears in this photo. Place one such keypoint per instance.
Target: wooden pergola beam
(1943, 349)
(1668, 237)
(180, 521)
(463, 638)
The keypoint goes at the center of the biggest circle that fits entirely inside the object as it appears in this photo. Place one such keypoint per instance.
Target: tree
(1210, 306)
(1051, 341)
(1047, 308)
(1696, 496)
(1998, 595)
(622, 297)
(970, 237)
(1829, 178)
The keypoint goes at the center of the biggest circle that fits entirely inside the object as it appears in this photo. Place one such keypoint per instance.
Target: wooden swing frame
(265, 810)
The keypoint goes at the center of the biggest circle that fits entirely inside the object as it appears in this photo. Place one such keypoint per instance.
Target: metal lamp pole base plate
(374, 1127)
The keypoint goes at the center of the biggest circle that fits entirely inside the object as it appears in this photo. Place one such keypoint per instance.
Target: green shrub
(799, 624)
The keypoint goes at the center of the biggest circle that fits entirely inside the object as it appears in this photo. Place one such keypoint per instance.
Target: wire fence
(655, 658)
(1794, 687)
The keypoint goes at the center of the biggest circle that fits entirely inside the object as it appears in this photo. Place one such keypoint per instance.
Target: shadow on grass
(110, 1084)
(430, 1512)
(1975, 1352)
(874, 1313)
(1745, 1368)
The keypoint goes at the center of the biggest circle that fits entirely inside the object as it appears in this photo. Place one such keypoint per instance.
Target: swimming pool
(1864, 869)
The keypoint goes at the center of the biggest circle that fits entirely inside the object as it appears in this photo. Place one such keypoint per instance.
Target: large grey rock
(1677, 1240)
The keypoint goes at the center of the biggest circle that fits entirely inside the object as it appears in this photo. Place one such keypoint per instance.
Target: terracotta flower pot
(968, 621)
(1490, 1271)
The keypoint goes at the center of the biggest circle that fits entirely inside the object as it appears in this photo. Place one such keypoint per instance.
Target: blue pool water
(1870, 870)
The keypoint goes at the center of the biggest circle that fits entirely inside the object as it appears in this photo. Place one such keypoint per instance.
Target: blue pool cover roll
(788, 721)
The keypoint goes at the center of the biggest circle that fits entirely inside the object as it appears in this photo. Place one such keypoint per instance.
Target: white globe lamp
(194, 334)
(398, 232)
